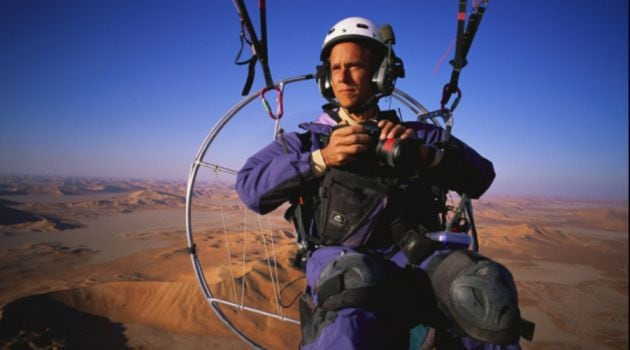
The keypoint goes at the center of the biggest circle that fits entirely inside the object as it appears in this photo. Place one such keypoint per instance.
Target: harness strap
(259, 47)
(301, 213)
(414, 244)
(251, 72)
(333, 295)
(460, 60)
(463, 43)
(471, 29)
(390, 115)
(264, 56)
(332, 112)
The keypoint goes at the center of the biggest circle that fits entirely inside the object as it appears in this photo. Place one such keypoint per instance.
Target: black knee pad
(480, 297)
(351, 280)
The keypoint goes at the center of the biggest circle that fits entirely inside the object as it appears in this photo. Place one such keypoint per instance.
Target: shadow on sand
(40, 321)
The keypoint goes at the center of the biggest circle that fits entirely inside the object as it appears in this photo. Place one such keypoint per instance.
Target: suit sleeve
(276, 174)
(461, 169)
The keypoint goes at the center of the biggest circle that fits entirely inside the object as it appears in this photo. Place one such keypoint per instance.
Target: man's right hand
(344, 145)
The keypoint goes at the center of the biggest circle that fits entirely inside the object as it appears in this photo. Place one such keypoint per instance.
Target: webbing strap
(259, 47)
(251, 72)
(332, 112)
(264, 56)
(526, 329)
(463, 42)
(459, 61)
(471, 29)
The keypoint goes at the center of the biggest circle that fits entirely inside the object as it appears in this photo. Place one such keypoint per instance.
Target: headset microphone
(391, 66)
(387, 34)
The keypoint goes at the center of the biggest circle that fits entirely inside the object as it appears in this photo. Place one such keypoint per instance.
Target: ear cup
(323, 81)
(382, 79)
(385, 76)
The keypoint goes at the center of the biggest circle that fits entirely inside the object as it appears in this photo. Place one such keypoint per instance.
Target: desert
(105, 263)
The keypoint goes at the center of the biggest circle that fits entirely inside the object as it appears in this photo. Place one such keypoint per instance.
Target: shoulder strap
(390, 115)
(301, 213)
(332, 112)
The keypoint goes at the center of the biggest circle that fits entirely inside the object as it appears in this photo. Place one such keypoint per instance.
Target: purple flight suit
(282, 172)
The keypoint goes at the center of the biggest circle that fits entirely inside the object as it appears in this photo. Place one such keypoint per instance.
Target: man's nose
(343, 74)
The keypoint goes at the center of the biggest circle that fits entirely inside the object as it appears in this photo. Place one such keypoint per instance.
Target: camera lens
(395, 152)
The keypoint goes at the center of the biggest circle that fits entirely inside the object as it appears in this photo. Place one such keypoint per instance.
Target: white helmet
(352, 29)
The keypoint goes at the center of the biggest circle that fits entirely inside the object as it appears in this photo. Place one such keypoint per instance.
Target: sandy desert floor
(105, 264)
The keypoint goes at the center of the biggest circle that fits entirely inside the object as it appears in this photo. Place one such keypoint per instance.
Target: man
(363, 216)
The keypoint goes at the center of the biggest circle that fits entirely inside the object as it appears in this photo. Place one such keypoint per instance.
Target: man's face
(351, 74)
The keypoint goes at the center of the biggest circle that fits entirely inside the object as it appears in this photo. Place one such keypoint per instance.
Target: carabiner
(446, 96)
(265, 103)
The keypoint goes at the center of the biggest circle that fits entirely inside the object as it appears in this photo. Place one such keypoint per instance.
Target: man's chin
(352, 105)
(349, 103)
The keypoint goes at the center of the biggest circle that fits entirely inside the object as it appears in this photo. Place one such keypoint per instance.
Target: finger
(349, 140)
(396, 131)
(355, 148)
(347, 130)
(339, 135)
(409, 133)
(386, 126)
(351, 149)
(361, 139)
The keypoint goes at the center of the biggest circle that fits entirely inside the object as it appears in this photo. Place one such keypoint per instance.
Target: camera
(396, 152)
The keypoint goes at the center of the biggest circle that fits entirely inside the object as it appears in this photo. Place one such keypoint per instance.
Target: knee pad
(479, 295)
(348, 280)
(351, 280)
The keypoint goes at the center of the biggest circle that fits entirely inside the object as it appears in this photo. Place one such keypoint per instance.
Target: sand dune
(570, 261)
(30, 221)
(139, 199)
(569, 258)
(137, 295)
(62, 186)
(172, 307)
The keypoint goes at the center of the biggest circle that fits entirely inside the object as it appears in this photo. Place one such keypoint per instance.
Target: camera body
(395, 152)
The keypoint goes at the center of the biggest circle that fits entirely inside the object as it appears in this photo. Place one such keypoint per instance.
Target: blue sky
(131, 88)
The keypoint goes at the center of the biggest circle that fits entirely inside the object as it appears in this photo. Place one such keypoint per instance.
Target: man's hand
(389, 130)
(348, 141)
(344, 145)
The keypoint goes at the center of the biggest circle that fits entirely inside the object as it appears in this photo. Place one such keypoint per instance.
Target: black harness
(362, 208)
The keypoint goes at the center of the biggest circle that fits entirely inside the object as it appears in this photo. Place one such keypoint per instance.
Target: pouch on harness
(350, 206)
(356, 211)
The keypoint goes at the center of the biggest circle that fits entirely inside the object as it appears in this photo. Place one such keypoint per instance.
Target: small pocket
(350, 206)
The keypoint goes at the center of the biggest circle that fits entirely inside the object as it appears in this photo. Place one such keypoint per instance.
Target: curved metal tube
(192, 176)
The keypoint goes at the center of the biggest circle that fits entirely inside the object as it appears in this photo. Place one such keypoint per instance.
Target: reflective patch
(337, 219)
